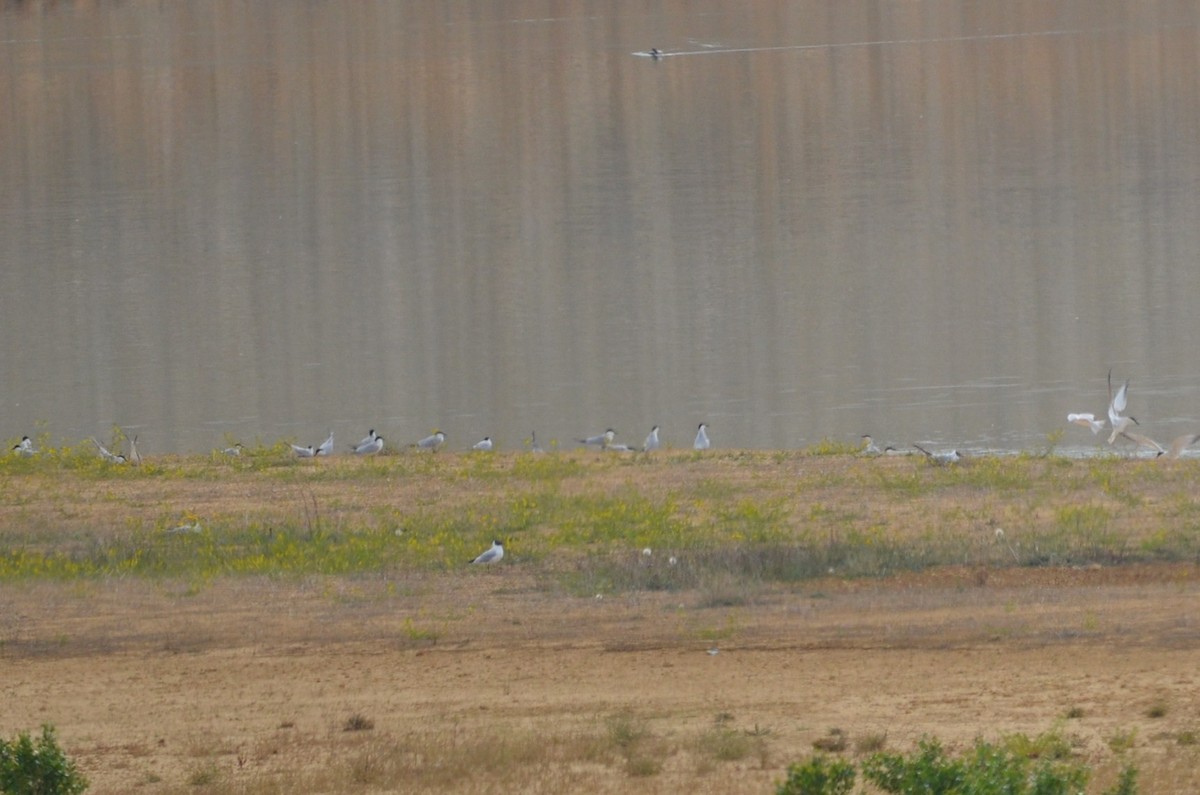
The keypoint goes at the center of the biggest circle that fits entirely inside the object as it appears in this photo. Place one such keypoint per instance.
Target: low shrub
(1002, 768)
(819, 775)
(39, 766)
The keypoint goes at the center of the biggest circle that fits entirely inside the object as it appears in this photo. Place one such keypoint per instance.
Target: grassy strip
(585, 518)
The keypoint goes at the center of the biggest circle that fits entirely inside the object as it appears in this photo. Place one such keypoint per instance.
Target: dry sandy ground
(479, 681)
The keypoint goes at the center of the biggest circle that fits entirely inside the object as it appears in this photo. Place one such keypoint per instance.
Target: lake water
(928, 220)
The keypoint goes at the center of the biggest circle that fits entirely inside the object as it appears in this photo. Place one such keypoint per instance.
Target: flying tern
(492, 554)
(1117, 402)
(1087, 420)
(1120, 428)
(1181, 443)
(1172, 451)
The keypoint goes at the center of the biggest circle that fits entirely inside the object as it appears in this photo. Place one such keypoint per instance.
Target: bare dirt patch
(479, 681)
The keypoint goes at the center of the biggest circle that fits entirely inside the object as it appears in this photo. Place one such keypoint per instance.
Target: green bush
(1126, 782)
(818, 776)
(986, 770)
(927, 770)
(38, 767)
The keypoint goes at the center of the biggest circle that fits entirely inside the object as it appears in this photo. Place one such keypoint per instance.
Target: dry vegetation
(264, 625)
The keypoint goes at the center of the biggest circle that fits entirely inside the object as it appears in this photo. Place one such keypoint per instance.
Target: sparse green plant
(1122, 741)
(1157, 710)
(726, 744)
(1073, 713)
(633, 740)
(870, 743)
(204, 775)
(642, 766)
(819, 775)
(625, 731)
(1047, 745)
(419, 634)
(1126, 782)
(1187, 737)
(39, 766)
(832, 447)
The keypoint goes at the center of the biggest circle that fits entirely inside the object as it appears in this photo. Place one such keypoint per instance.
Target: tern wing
(1181, 443)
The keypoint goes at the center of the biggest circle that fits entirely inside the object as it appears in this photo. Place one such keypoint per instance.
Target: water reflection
(935, 221)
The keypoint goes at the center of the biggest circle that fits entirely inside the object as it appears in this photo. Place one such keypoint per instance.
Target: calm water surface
(930, 220)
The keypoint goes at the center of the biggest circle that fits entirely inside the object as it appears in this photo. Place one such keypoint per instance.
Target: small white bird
(1116, 405)
(651, 442)
(107, 456)
(618, 448)
(483, 444)
(869, 446)
(599, 440)
(1181, 443)
(942, 457)
(24, 447)
(326, 447)
(1121, 428)
(1174, 450)
(432, 442)
(702, 442)
(1142, 441)
(135, 457)
(370, 437)
(1087, 419)
(534, 447)
(492, 554)
(304, 452)
(236, 450)
(371, 447)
